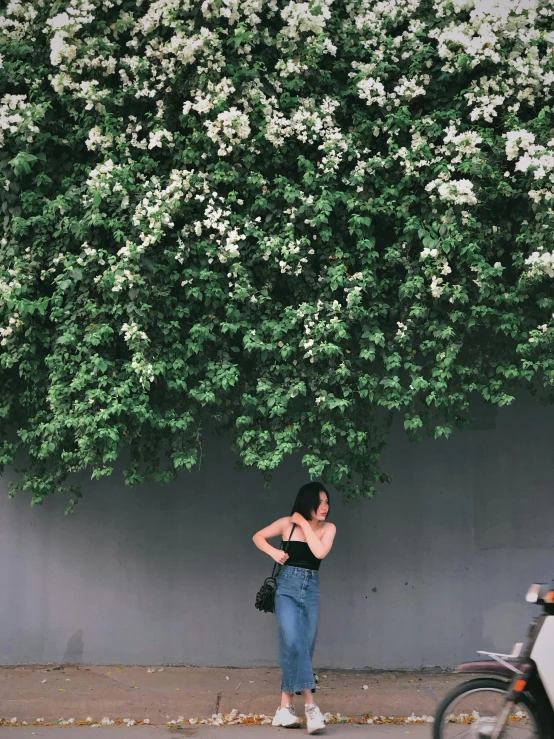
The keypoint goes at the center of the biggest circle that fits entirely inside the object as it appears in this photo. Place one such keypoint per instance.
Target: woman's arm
(320, 547)
(277, 528)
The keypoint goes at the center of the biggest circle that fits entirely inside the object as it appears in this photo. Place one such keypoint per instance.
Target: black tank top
(300, 555)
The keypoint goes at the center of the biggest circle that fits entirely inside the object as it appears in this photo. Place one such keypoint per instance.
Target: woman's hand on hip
(279, 556)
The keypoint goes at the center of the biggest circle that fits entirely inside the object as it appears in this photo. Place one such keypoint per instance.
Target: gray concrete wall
(433, 568)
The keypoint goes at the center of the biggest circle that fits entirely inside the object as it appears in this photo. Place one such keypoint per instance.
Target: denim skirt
(297, 613)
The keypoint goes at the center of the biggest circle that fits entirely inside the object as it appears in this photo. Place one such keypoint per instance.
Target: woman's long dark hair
(307, 501)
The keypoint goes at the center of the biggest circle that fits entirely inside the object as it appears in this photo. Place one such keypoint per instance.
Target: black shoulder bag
(265, 599)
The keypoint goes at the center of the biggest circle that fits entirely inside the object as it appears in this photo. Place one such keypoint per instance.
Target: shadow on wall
(73, 654)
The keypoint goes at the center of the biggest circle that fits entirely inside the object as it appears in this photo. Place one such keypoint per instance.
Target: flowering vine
(292, 218)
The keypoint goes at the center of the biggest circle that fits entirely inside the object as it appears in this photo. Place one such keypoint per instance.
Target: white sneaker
(286, 717)
(314, 719)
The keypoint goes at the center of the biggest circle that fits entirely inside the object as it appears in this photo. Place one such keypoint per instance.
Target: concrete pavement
(340, 731)
(162, 694)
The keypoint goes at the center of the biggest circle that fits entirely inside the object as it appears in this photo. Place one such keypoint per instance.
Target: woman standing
(297, 597)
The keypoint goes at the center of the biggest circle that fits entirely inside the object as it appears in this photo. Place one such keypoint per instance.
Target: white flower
(305, 17)
(58, 49)
(98, 141)
(156, 138)
(59, 21)
(459, 192)
(541, 263)
(516, 140)
(402, 329)
(411, 88)
(436, 286)
(229, 128)
(372, 91)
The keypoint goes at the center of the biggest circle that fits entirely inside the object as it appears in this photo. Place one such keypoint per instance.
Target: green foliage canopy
(294, 218)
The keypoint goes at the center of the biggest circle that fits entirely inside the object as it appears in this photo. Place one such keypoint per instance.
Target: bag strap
(276, 565)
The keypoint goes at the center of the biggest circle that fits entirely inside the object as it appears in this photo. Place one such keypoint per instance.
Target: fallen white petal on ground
(234, 718)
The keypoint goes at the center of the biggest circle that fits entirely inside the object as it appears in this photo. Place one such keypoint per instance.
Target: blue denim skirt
(297, 612)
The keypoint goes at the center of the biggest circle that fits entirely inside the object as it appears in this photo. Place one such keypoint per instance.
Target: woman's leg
(295, 634)
(284, 612)
(310, 617)
(286, 699)
(294, 654)
(315, 722)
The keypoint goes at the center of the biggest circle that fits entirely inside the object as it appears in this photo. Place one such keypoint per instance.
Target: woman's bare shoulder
(274, 529)
(326, 528)
(285, 521)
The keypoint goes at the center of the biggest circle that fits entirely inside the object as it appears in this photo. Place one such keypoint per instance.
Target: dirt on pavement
(161, 693)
